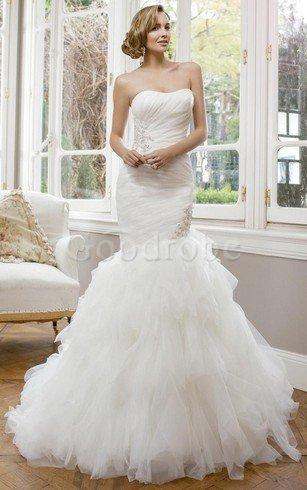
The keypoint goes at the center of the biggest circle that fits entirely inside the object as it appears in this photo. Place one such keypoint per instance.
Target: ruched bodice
(160, 118)
(151, 202)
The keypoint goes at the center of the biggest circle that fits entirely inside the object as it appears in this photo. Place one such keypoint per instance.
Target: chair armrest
(66, 254)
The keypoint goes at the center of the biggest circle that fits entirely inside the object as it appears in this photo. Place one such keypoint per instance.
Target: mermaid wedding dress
(159, 375)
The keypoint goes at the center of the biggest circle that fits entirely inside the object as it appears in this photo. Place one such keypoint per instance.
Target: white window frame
(9, 35)
(276, 213)
(31, 147)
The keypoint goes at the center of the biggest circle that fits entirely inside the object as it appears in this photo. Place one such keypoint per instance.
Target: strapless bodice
(145, 195)
(160, 118)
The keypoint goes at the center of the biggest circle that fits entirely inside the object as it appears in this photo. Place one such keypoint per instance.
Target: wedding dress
(159, 375)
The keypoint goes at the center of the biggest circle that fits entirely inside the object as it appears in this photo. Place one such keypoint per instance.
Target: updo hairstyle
(142, 23)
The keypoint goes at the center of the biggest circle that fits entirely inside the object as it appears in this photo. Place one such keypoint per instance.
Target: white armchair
(31, 291)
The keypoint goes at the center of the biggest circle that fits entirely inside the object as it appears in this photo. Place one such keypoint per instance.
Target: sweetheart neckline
(159, 92)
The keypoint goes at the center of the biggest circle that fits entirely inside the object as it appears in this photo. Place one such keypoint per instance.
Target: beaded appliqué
(183, 227)
(142, 137)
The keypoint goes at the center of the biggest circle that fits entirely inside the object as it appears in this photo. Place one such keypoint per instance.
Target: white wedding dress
(159, 375)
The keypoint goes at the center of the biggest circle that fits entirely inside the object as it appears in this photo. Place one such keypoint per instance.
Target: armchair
(31, 291)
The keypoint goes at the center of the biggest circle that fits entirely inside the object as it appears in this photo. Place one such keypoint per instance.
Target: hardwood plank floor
(25, 345)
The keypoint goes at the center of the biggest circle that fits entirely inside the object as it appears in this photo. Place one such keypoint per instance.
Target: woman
(160, 375)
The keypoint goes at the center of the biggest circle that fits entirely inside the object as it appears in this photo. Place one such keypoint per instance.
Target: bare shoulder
(191, 67)
(124, 82)
(191, 71)
(121, 81)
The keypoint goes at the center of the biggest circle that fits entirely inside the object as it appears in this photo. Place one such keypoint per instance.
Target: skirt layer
(158, 376)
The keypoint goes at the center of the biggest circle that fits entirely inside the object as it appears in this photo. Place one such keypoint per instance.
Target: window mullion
(9, 38)
(55, 97)
(262, 96)
(183, 48)
(248, 109)
(272, 102)
(37, 91)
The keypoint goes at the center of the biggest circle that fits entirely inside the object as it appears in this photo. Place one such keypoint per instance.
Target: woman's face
(159, 37)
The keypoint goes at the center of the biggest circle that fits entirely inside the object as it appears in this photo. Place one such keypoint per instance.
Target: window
(216, 46)
(287, 152)
(70, 83)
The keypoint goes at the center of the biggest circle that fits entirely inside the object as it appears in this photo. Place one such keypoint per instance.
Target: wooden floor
(22, 346)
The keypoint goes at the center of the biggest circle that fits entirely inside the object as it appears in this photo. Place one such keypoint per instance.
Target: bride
(159, 375)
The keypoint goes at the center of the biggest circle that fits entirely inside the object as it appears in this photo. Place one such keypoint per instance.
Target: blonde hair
(142, 23)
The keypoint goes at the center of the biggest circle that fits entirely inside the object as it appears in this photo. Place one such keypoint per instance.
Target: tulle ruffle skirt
(158, 376)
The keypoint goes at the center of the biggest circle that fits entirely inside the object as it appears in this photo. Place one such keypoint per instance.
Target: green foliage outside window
(212, 195)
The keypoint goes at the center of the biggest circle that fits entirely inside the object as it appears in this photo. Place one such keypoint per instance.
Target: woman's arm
(200, 132)
(119, 121)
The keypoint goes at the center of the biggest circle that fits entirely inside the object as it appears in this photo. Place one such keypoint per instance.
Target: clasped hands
(155, 159)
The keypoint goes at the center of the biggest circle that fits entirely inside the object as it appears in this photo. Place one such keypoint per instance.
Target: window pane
(85, 81)
(75, 5)
(47, 9)
(83, 177)
(171, 8)
(44, 174)
(292, 177)
(216, 176)
(292, 69)
(46, 85)
(216, 46)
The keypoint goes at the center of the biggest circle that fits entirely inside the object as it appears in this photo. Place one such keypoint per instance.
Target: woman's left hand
(159, 158)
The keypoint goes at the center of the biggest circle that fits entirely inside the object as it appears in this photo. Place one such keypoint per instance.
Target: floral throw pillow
(21, 237)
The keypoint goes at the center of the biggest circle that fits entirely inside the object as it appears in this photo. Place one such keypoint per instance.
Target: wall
(272, 292)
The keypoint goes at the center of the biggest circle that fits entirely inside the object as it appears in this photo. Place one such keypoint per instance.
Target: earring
(142, 56)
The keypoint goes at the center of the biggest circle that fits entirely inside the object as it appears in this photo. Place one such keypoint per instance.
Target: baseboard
(296, 365)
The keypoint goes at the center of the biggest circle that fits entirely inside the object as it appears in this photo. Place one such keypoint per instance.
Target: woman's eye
(158, 27)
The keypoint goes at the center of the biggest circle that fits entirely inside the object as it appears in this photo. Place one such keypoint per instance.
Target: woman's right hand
(133, 158)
